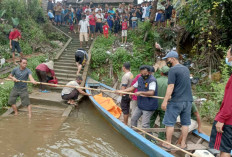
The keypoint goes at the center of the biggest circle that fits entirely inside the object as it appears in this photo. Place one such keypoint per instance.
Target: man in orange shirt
(14, 37)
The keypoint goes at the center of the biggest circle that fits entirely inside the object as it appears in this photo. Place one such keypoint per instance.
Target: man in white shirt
(83, 28)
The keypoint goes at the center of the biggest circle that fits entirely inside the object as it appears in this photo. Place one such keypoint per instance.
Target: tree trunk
(153, 11)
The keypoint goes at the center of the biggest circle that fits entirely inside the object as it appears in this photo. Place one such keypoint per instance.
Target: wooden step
(66, 75)
(65, 79)
(63, 67)
(65, 64)
(68, 55)
(71, 57)
(71, 71)
(66, 60)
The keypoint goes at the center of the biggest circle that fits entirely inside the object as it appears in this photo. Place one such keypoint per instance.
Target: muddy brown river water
(84, 133)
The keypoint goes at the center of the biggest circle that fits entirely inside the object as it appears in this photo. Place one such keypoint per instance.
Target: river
(84, 133)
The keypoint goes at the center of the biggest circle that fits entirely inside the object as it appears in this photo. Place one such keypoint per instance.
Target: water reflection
(85, 133)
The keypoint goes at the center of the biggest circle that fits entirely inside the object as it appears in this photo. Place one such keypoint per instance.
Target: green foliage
(2, 12)
(15, 21)
(5, 92)
(21, 10)
(52, 34)
(210, 108)
(119, 57)
(5, 51)
(99, 55)
(208, 23)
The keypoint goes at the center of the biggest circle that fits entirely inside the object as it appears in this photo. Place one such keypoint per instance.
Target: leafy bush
(208, 25)
(216, 90)
(99, 55)
(5, 92)
(5, 51)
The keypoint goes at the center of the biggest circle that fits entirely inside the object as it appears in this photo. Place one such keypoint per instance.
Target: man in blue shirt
(179, 90)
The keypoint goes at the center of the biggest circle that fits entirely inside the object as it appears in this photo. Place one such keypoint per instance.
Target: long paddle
(158, 139)
(103, 90)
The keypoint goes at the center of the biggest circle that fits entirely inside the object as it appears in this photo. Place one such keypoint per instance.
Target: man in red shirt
(14, 43)
(221, 134)
(92, 23)
(106, 30)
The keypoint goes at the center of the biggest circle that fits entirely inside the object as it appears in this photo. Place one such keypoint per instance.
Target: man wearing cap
(180, 94)
(162, 83)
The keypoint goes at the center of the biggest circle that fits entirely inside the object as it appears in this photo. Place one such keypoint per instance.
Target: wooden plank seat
(190, 147)
(157, 130)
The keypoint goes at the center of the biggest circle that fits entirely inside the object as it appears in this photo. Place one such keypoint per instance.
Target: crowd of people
(103, 19)
(174, 84)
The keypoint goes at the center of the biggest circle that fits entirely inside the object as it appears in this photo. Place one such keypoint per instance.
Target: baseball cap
(171, 54)
(164, 69)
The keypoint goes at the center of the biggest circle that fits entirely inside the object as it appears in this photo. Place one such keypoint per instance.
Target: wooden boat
(195, 141)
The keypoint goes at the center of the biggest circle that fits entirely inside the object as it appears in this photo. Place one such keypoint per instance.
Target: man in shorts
(84, 29)
(221, 134)
(180, 92)
(20, 88)
(14, 37)
(81, 58)
(125, 98)
(195, 121)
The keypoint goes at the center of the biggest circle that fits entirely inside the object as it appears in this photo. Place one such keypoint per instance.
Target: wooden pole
(158, 139)
(103, 90)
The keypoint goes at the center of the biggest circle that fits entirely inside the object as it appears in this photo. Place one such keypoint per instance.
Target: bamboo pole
(158, 139)
(103, 90)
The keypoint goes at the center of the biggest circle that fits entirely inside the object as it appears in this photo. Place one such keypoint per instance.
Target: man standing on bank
(147, 86)
(179, 90)
(81, 57)
(125, 98)
(20, 88)
(14, 37)
(221, 134)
